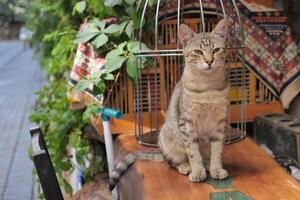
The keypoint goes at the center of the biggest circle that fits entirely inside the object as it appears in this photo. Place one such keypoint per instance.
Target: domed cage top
(165, 62)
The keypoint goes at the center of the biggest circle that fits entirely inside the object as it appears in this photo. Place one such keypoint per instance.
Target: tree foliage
(55, 27)
(12, 10)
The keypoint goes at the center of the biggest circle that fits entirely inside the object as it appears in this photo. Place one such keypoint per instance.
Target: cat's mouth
(208, 68)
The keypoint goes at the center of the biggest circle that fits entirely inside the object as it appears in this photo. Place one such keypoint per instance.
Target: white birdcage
(158, 79)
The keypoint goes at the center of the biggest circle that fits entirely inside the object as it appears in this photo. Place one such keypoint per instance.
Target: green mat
(220, 184)
(234, 195)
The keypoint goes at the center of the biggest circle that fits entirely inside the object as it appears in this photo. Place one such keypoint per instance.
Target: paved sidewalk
(20, 77)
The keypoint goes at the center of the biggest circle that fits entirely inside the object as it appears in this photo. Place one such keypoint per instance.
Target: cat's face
(204, 51)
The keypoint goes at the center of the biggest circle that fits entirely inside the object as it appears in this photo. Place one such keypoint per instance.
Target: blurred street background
(20, 77)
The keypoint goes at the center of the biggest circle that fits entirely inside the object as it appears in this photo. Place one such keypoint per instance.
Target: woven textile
(271, 53)
(86, 62)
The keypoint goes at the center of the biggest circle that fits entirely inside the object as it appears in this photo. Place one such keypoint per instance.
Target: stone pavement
(20, 77)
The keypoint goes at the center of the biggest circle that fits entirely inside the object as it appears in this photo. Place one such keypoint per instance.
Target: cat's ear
(221, 29)
(185, 34)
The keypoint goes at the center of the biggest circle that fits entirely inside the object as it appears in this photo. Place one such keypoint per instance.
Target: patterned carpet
(271, 53)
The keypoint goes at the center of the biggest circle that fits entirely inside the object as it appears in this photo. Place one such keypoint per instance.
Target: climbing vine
(55, 27)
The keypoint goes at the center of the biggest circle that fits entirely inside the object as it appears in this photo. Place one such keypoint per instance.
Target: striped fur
(191, 139)
(192, 136)
(128, 160)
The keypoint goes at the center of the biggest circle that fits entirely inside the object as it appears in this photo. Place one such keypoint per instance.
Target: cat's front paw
(184, 168)
(218, 173)
(198, 176)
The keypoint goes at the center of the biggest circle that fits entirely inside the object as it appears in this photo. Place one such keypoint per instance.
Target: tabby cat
(192, 137)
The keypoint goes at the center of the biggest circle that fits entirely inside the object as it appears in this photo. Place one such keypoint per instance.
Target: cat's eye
(216, 50)
(198, 52)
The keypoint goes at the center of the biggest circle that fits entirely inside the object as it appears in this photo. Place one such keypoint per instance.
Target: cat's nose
(209, 61)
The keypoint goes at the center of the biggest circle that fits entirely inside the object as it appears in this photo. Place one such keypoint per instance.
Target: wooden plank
(126, 124)
(267, 3)
(95, 189)
(163, 94)
(253, 109)
(298, 147)
(130, 91)
(252, 87)
(254, 173)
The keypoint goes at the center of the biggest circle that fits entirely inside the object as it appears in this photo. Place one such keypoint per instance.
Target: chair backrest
(44, 166)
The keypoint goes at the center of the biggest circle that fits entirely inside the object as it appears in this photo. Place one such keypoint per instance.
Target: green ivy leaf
(100, 40)
(109, 77)
(131, 68)
(152, 2)
(82, 85)
(111, 3)
(130, 2)
(136, 18)
(91, 110)
(111, 29)
(95, 75)
(134, 47)
(114, 62)
(86, 117)
(100, 24)
(74, 140)
(87, 34)
(42, 196)
(67, 187)
(143, 61)
(116, 52)
(101, 87)
(115, 59)
(80, 6)
(123, 25)
(121, 46)
(65, 166)
(129, 28)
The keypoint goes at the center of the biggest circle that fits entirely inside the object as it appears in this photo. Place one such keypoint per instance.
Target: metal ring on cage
(156, 82)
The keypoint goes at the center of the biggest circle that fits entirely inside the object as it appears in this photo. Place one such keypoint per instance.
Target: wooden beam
(254, 109)
(254, 173)
(267, 3)
(127, 124)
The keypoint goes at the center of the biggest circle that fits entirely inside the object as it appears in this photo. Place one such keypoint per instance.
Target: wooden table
(254, 173)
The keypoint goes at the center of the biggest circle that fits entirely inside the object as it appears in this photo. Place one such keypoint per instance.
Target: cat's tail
(128, 160)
